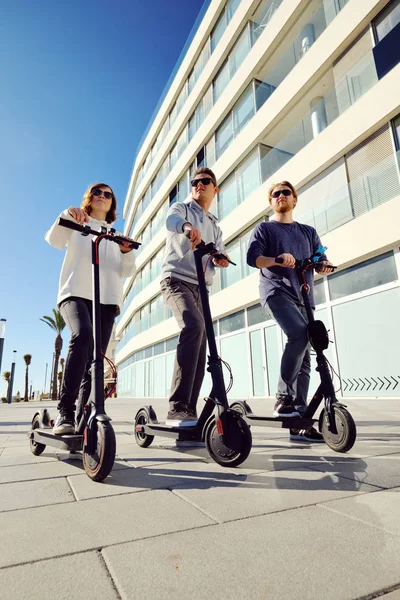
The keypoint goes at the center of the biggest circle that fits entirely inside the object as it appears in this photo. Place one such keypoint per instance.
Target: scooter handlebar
(210, 249)
(302, 264)
(87, 230)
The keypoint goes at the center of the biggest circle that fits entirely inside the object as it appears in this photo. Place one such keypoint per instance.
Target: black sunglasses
(279, 192)
(203, 180)
(98, 192)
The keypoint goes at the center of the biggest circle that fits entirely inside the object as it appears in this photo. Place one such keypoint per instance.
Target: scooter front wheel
(99, 464)
(36, 448)
(240, 442)
(346, 435)
(142, 439)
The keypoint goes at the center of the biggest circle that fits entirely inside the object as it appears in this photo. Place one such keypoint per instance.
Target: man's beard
(283, 208)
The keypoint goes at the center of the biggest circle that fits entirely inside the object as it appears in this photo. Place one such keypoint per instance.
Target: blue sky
(79, 81)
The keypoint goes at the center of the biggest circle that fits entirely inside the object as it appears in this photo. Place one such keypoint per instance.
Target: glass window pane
(367, 331)
(244, 244)
(243, 110)
(231, 8)
(248, 176)
(239, 51)
(319, 292)
(366, 275)
(257, 363)
(232, 322)
(172, 343)
(257, 314)
(273, 357)
(387, 20)
(227, 197)
(159, 348)
(234, 352)
(169, 367)
(397, 132)
(218, 30)
(221, 81)
(224, 136)
(232, 273)
(159, 377)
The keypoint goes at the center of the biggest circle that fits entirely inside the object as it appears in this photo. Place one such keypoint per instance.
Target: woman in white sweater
(98, 209)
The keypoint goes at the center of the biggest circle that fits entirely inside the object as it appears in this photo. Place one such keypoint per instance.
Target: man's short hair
(285, 183)
(206, 171)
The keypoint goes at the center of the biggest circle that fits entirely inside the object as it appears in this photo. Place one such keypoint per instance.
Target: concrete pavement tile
(262, 493)
(382, 471)
(381, 509)
(93, 524)
(64, 583)
(244, 560)
(34, 493)
(46, 470)
(25, 450)
(154, 455)
(132, 479)
(15, 443)
(393, 595)
(27, 459)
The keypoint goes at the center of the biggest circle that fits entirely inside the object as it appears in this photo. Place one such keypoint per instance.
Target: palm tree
(60, 376)
(57, 324)
(27, 359)
(7, 377)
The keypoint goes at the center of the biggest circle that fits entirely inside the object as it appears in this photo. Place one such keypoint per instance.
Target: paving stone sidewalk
(294, 521)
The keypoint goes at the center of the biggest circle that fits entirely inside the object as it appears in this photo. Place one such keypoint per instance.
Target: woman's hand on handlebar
(288, 260)
(324, 267)
(194, 235)
(78, 214)
(125, 246)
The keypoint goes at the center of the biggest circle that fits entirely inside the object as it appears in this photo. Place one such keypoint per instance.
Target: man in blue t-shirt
(280, 293)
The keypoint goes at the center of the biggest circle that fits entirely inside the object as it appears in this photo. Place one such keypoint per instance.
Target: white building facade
(272, 90)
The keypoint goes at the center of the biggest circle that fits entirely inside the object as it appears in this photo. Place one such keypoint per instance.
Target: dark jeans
(183, 299)
(77, 383)
(294, 378)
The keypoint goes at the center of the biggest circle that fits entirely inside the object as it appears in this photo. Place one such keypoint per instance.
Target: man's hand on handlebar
(324, 266)
(194, 235)
(78, 214)
(287, 260)
(221, 262)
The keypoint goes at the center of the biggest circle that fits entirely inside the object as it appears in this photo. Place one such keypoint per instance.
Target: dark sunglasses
(97, 192)
(279, 192)
(203, 180)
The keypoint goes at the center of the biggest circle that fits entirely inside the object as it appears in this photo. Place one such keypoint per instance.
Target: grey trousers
(294, 378)
(183, 299)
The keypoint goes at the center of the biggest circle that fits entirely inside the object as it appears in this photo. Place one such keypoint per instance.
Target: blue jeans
(294, 378)
(77, 382)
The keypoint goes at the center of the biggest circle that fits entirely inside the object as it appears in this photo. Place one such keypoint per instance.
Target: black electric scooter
(227, 436)
(94, 435)
(335, 422)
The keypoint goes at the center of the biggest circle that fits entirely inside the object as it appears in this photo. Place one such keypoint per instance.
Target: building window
(364, 276)
(387, 20)
(232, 322)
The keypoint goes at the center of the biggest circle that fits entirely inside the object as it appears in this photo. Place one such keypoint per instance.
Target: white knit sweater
(76, 272)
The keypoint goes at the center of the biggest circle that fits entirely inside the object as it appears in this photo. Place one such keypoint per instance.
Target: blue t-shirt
(274, 238)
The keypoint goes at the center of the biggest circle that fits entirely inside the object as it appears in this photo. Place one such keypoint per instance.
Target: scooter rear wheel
(142, 439)
(100, 463)
(36, 448)
(241, 436)
(346, 435)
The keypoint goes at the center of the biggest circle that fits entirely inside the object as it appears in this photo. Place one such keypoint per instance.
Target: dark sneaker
(285, 408)
(181, 418)
(65, 424)
(301, 435)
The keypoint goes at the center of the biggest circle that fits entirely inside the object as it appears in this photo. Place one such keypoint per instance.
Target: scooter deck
(48, 438)
(282, 422)
(189, 432)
